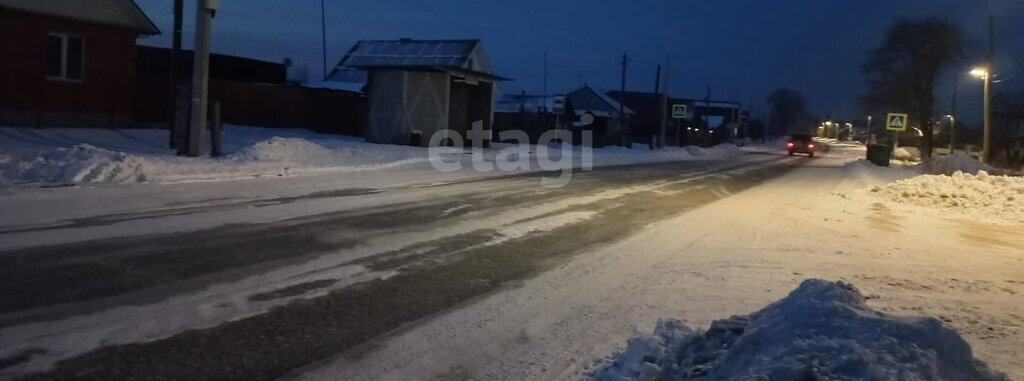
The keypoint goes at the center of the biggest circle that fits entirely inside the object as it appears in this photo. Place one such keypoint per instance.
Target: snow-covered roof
(512, 102)
(595, 102)
(717, 104)
(356, 87)
(123, 13)
(459, 57)
(614, 103)
(411, 53)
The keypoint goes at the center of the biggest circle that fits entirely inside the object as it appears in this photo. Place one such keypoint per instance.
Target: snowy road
(486, 278)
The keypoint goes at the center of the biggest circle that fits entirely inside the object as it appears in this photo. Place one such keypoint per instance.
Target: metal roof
(409, 53)
(123, 13)
(457, 57)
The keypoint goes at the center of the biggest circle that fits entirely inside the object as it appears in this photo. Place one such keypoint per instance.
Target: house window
(64, 57)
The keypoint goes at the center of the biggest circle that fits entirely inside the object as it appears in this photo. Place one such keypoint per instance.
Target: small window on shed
(65, 57)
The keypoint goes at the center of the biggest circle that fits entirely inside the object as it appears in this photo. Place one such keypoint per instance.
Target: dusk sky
(743, 49)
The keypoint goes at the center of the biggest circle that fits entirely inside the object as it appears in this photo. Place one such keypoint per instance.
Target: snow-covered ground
(80, 156)
(823, 220)
(728, 258)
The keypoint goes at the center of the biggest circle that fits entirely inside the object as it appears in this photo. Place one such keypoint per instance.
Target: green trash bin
(879, 154)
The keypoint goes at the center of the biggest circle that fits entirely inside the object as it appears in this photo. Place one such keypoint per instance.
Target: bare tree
(788, 110)
(901, 73)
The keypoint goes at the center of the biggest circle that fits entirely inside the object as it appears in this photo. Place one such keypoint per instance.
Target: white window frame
(63, 77)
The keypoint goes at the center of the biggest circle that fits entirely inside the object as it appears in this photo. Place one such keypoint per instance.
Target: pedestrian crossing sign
(896, 122)
(679, 111)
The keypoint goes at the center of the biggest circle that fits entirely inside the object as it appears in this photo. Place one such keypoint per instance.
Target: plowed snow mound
(822, 331)
(947, 165)
(982, 195)
(277, 156)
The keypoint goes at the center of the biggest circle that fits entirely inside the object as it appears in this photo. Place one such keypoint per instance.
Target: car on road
(800, 143)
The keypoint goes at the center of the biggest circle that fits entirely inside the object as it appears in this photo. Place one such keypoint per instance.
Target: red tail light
(790, 144)
(810, 146)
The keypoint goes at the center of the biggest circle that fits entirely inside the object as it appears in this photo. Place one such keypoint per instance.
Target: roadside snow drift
(981, 195)
(947, 165)
(822, 331)
(84, 163)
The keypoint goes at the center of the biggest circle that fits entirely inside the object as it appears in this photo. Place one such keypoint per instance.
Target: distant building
(416, 88)
(724, 118)
(69, 62)
(606, 128)
(530, 113)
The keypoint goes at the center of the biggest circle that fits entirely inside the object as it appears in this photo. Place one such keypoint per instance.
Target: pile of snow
(821, 331)
(84, 163)
(901, 153)
(981, 195)
(947, 165)
(304, 153)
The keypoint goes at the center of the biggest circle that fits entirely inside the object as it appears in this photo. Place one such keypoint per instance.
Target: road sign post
(896, 122)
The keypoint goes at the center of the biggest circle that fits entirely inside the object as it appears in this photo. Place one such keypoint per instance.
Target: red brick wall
(106, 94)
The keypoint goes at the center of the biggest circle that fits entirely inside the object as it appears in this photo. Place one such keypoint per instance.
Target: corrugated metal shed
(123, 13)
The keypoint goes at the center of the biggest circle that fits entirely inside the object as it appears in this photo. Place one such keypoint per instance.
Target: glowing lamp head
(979, 72)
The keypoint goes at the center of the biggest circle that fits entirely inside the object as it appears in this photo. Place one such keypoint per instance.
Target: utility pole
(323, 35)
(663, 99)
(627, 138)
(179, 6)
(544, 91)
(986, 145)
(657, 96)
(952, 116)
(200, 74)
(707, 107)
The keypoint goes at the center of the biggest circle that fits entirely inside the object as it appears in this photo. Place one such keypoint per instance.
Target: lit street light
(984, 74)
(952, 133)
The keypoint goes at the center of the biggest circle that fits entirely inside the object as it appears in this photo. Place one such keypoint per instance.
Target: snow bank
(822, 330)
(947, 165)
(981, 195)
(84, 163)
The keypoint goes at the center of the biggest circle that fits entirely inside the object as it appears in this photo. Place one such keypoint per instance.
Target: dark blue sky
(742, 48)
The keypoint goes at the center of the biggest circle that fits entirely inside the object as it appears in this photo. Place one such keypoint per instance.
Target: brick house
(69, 62)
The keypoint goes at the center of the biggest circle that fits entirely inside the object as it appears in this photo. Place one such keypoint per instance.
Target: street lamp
(952, 133)
(983, 73)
